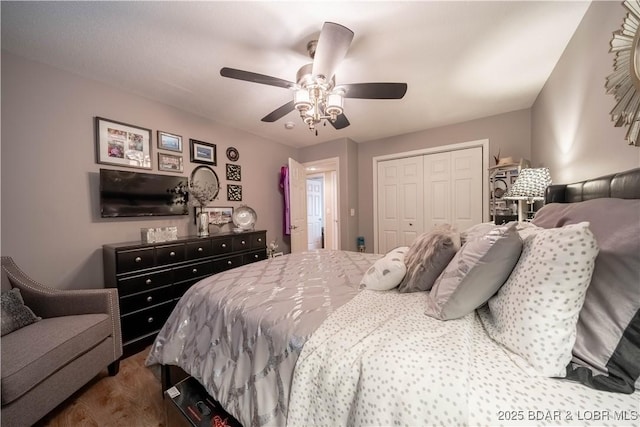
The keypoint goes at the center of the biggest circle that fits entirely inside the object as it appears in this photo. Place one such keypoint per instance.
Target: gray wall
(51, 223)
(572, 132)
(508, 133)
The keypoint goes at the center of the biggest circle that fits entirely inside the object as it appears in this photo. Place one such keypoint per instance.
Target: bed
(555, 340)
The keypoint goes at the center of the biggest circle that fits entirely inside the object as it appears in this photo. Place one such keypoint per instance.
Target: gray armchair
(47, 361)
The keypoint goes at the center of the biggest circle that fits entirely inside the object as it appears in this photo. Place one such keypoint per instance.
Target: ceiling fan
(316, 95)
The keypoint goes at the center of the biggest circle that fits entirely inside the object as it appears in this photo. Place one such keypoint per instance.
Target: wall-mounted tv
(131, 194)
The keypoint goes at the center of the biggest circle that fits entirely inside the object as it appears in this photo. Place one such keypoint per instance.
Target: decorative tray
(244, 218)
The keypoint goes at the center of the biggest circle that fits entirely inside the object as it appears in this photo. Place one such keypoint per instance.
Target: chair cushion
(32, 353)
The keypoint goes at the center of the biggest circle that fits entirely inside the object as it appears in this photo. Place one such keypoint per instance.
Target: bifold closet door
(400, 202)
(453, 188)
(416, 194)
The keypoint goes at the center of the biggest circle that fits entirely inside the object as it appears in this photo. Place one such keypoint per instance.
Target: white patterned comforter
(379, 360)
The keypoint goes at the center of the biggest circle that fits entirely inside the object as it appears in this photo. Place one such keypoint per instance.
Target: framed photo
(122, 144)
(202, 152)
(169, 141)
(170, 163)
(217, 215)
(234, 172)
(234, 193)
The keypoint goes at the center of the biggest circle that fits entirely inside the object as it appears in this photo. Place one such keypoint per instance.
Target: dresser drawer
(180, 288)
(254, 256)
(193, 271)
(199, 249)
(258, 241)
(169, 254)
(145, 299)
(221, 246)
(136, 259)
(227, 263)
(145, 321)
(144, 282)
(241, 243)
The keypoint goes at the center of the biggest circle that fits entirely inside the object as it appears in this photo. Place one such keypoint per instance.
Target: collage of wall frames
(122, 144)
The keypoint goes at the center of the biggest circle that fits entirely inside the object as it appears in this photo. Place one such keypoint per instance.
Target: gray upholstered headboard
(622, 185)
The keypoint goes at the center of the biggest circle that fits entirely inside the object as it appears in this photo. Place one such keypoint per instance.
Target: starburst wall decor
(624, 82)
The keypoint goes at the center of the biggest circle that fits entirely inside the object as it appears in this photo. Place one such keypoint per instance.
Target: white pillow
(387, 272)
(534, 314)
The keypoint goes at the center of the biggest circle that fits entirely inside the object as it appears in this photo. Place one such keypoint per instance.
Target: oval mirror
(205, 176)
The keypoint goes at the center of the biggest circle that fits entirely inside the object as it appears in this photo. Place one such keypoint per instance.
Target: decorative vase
(202, 220)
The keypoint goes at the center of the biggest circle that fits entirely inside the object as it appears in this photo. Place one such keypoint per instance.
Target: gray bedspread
(240, 332)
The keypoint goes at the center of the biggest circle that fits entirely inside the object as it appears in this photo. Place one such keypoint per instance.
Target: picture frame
(202, 152)
(122, 144)
(170, 163)
(217, 215)
(234, 193)
(234, 172)
(169, 141)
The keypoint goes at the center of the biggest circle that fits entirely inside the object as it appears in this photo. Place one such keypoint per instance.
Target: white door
(453, 188)
(466, 186)
(330, 210)
(400, 202)
(416, 194)
(298, 206)
(437, 189)
(315, 196)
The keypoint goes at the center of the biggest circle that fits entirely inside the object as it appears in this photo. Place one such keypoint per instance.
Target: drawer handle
(224, 245)
(138, 259)
(148, 282)
(200, 249)
(243, 242)
(149, 298)
(256, 256)
(172, 253)
(150, 320)
(259, 239)
(195, 270)
(229, 262)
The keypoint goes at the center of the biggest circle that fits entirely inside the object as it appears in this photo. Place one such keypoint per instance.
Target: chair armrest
(50, 302)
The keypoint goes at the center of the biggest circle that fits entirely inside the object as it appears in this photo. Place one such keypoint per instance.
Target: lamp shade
(530, 184)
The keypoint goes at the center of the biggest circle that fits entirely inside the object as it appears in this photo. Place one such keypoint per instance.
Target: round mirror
(204, 176)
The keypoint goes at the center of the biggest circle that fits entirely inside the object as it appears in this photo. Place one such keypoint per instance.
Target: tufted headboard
(621, 185)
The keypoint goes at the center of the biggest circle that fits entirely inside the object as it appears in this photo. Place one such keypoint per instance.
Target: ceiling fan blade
(279, 112)
(333, 43)
(232, 73)
(374, 90)
(341, 122)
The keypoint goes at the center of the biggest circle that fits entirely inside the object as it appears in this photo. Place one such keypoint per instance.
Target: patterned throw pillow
(606, 355)
(475, 274)
(15, 314)
(534, 314)
(429, 254)
(387, 272)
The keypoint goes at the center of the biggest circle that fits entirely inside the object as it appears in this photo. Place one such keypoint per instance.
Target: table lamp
(529, 187)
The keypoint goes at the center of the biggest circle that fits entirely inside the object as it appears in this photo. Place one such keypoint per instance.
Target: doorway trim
(331, 164)
(483, 143)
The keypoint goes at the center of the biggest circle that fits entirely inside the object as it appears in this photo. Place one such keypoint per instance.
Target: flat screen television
(134, 194)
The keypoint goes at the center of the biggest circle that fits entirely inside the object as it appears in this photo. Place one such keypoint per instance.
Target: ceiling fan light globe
(302, 100)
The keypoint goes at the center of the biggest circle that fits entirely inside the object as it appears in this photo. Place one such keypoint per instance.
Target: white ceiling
(461, 60)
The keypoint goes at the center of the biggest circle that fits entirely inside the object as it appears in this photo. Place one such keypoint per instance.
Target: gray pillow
(606, 353)
(15, 314)
(476, 272)
(427, 256)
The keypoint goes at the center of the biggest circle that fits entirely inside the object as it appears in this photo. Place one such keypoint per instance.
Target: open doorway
(323, 222)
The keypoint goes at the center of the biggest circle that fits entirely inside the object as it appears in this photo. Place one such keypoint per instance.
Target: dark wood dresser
(151, 277)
